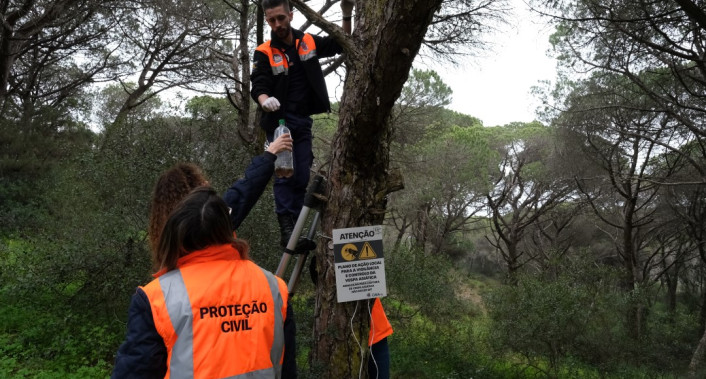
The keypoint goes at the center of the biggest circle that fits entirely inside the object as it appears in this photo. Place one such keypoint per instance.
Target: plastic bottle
(284, 165)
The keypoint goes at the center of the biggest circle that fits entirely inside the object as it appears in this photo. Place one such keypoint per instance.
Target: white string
(372, 338)
(360, 347)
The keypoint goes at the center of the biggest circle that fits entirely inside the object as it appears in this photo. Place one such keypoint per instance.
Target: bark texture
(386, 37)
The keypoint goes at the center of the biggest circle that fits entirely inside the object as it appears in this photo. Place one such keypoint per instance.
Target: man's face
(278, 18)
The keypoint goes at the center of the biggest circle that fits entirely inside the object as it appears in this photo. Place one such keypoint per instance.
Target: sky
(496, 88)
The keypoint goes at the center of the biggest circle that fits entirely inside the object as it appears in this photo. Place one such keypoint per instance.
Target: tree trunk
(386, 38)
(421, 228)
(247, 128)
(702, 314)
(697, 357)
(636, 311)
(672, 285)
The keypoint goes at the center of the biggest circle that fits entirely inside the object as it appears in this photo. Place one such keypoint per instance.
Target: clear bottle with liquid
(284, 165)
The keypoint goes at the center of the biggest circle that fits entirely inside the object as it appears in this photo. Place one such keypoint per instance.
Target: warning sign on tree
(359, 263)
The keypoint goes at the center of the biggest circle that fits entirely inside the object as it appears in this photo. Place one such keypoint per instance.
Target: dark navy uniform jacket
(264, 81)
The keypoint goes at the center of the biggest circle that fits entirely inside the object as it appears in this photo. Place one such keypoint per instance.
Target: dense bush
(75, 247)
(74, 250)
(578, 321)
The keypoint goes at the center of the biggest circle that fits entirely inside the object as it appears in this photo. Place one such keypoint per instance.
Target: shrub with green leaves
(573, 315)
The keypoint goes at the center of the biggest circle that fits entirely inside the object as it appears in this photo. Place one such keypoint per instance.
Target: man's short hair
(269, 4)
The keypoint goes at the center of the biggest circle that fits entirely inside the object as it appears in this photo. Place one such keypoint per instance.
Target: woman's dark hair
(200, 220)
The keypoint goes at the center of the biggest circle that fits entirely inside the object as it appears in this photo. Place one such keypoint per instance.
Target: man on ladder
(288, 83)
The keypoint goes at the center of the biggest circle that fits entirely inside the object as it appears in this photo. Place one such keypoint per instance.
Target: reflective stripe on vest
(278, 341)
(277, 58)
(179, 309)
(181, 316)
(307, 48)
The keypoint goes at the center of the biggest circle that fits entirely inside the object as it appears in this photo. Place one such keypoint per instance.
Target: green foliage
(29, 151)
(460, 119)
(541, 318)
(426, 348)
(425, 88)
(576, 318)
(108, 101)
(211, 109)
(261, 230)
(434, 329)
(325, 126)
(20, 208)
(670, 339)
(74, 205)
(68, 269)
(54, 341)
(438, 203)
(62, 285)
(74, 250)
(303, 304)
(423, 283)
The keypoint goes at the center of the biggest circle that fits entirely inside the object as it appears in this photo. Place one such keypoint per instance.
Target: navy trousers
(290, 192)
(379, 363)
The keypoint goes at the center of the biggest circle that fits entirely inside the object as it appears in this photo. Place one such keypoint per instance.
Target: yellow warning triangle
(367, 252)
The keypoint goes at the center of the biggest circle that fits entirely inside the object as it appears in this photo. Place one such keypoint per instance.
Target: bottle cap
(281, 121)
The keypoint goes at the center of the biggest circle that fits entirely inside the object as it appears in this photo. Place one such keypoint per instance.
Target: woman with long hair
(210, 312)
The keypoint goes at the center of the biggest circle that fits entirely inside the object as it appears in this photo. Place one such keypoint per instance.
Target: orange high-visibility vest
(380, 327)
(278, 60)
(219, 316)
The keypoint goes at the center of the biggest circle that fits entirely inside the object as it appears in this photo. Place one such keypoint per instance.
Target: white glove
(271, 104)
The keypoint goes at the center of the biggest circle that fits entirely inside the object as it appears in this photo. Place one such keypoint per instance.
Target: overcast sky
(496, 89)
